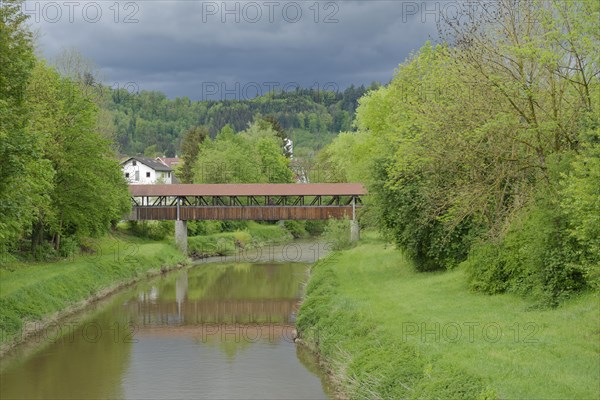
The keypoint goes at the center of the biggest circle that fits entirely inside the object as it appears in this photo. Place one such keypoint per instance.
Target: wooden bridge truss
(267, 202)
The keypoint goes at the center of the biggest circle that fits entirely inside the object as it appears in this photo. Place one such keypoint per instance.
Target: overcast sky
(235, 49)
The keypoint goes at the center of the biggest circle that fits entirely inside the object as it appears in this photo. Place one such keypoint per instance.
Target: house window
(147, 174)
(134, 163)
(137, 175)
(169, 174)
(127, 175)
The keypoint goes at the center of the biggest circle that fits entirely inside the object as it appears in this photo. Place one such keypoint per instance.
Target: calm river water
(214, 331)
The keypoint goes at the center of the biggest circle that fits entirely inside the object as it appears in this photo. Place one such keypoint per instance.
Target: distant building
(145, 171)
(288, 148)
(170, 162)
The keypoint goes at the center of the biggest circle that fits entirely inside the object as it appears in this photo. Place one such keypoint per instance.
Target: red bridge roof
(251, 189)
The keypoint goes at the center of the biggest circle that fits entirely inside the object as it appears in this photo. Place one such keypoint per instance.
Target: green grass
(226, 243)
(33, 291)
(369, 313)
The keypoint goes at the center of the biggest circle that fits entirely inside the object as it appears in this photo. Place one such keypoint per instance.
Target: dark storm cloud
(187, 48)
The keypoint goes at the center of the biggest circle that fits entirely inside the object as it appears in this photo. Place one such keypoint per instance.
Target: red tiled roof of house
(169, 161)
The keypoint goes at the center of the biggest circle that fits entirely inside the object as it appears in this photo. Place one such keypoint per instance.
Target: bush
(580, 202)
(315, 227)
(551, 249)
(225, 243)
(267, 233)
(155, 230)
(45, 252)
(296, 228)
(196, 228)
(232, 226)
(536, 257)
(337, 232)
(427, 235)
(487, 269)
(68, 246)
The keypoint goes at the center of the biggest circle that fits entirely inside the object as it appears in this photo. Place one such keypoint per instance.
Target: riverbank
(386, 331)
(33, 295)
(178, 335)
(254, 236)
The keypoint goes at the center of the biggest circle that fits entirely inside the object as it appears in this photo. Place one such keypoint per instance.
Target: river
(216, 330)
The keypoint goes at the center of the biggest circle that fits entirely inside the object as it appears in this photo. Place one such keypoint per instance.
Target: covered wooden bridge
(259, 202)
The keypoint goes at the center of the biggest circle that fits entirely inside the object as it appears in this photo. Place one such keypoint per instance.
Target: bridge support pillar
(354, 230)
(181, 237)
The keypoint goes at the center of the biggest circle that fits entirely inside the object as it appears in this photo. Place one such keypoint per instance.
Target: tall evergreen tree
(190, 146)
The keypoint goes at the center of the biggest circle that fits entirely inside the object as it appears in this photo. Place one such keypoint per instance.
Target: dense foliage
(190, 147)
(59, 176)
(310, 117)
(252, 156)
(484, 150)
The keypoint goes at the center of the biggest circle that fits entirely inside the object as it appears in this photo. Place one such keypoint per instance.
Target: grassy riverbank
(31, 292)
(388, 332)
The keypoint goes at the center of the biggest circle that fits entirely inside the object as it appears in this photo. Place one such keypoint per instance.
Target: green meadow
(386, 331)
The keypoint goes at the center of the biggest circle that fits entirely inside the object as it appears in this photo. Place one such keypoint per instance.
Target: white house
(143, 170)
(288, 147)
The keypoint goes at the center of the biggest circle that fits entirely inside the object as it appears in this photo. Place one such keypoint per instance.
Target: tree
(190, 147)
(273, 123)
(252, 156)
(70, 63)
(87, 191)
(475, 144)
(59, 175)
(19, 169)
(347, 159)
(150, 151)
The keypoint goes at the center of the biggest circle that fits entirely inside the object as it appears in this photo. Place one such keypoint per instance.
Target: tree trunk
(37, 235)
(57, 237)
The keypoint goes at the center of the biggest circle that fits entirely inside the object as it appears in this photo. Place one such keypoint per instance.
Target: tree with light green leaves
(88, 192)
(475, 140)
(59, 174)
(23, 179)
(252, 156)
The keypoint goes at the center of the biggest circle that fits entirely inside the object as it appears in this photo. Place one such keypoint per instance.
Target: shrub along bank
(218, 238)
(386, 331)
(250, 234)
(31, 292)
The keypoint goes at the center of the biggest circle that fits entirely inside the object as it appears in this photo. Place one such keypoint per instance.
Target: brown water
(214, 331)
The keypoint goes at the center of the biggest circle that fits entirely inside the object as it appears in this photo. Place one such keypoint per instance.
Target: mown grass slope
(33, 291)
(389, 332)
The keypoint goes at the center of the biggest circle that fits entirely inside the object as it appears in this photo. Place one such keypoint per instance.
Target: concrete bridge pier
(181, 237)
(354, 226)
(354, 231)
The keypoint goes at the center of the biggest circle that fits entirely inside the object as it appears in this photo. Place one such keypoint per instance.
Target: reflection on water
(215, 331)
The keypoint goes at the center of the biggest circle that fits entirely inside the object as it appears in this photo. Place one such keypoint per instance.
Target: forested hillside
(150, 122)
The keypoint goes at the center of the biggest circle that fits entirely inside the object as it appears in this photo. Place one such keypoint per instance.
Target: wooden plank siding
(256, 213)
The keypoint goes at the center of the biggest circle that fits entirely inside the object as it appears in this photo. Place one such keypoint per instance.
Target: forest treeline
(148, 122)
(484, 151)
